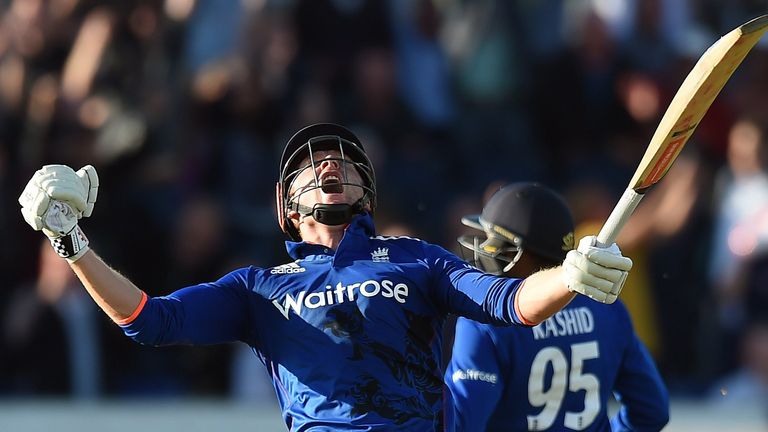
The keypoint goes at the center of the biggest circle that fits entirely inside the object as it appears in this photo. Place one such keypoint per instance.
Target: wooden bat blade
(685, 112)
(693, 99)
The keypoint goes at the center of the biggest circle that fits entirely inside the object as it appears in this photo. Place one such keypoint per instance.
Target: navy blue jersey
(556, 376)
(352, 337)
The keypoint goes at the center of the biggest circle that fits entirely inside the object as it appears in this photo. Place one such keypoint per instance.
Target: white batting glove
(54, 199)
(596, 272)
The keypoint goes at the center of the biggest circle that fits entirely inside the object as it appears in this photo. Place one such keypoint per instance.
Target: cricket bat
(684, 113)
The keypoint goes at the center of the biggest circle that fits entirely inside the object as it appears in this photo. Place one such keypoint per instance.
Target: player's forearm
(542, 294)
(117, 296)
(55, 199)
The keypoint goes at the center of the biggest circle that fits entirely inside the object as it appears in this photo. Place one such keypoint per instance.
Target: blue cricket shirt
(351, 338)
(556, 376)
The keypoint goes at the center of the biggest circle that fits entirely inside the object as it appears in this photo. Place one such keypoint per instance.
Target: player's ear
(294, 217)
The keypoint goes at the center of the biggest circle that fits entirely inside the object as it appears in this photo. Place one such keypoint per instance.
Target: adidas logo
(380, 255)
(289, 268)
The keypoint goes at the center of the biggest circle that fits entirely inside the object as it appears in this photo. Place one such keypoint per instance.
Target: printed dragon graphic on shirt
(413, 368)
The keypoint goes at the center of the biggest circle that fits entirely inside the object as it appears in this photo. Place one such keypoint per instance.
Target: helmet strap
(332, 214)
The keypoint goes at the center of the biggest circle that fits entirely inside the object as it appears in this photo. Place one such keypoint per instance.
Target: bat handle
(619, 216)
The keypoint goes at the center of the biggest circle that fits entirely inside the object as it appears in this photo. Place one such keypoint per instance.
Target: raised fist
(54, 199)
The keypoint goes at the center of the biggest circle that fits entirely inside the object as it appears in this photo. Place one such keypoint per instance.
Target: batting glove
(596, 272)
(53, 201)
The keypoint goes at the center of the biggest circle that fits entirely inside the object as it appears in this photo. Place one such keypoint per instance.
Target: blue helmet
(518, 217)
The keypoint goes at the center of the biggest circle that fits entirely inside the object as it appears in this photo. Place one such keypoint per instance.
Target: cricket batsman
(350, 329)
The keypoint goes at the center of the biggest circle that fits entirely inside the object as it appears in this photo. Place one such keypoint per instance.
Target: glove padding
(53, 201)
(596, 272)
(78, 190)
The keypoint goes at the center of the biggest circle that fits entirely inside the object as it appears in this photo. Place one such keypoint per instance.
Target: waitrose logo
(341, 293)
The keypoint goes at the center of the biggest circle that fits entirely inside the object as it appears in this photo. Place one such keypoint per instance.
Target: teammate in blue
(560, 374)
(350, 329)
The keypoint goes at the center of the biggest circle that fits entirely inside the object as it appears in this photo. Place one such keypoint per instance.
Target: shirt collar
(361, 226)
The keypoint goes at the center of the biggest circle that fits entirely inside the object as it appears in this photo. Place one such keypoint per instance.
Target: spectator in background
(416, 26)
(487, 52)
(579, 130)
(198, 252)
(326, 57)
(655, 33)
(740, 231)
(50, 336)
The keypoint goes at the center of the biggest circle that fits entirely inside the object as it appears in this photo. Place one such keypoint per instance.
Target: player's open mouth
(331, 184)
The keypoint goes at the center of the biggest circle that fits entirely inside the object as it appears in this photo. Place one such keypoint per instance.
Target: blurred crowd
(183, 106)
